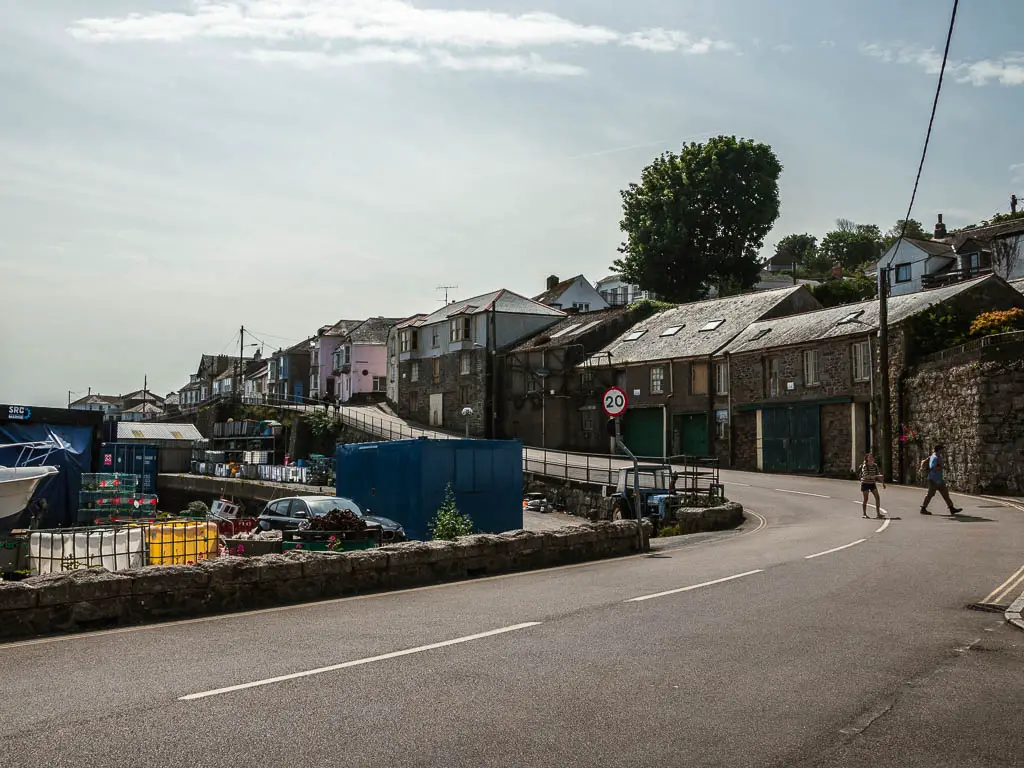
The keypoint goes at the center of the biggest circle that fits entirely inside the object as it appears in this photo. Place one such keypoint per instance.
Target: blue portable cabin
(405, 480)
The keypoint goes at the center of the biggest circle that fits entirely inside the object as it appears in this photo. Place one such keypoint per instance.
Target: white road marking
(1002, 591)
(836, 549)
(745, 485)
(358, 662)
(883, 526)
(692, 587)
(802, 493)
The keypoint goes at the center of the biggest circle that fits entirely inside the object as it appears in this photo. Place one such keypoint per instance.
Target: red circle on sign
(614, 401)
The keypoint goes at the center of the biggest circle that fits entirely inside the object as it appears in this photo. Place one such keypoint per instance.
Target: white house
(574, 294)
(912, 262)
(619, 293)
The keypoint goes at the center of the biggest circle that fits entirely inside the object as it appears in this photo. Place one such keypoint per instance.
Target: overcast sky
(172, 169)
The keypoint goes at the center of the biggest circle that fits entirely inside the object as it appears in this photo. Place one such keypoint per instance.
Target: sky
(171, 170)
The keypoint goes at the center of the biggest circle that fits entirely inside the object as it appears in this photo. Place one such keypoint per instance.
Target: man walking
(936, 463)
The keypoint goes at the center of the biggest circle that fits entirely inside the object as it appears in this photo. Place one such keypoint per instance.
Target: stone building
(445, 360)
(545, 398)
(801, 388)
(665, 365)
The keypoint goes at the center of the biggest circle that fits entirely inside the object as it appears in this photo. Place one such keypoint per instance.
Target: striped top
(869, 472)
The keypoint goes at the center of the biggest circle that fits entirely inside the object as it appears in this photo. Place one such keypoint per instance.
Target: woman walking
(869, 477)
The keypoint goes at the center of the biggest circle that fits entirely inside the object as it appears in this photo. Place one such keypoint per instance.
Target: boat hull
(17, 484)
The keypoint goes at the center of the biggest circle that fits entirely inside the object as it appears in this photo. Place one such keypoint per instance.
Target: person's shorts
(868, 487)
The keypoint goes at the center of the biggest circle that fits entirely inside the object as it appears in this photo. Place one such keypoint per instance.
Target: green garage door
(690, 434)
(644, 431)
(791, 438)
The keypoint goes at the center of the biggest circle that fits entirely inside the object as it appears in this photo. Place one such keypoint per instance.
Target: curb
(1013, 613)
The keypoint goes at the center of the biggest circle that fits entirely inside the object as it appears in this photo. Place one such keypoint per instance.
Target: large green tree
(851, 245)
(698, 218)
(914, 230)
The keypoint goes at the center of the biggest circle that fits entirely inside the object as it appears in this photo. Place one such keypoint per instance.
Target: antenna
(446, 288)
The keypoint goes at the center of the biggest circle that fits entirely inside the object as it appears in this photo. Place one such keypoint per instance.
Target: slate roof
(1018, 284)
(299, 348)
(932, 248)
(567, 331)
(500, 301)
(98, 400)
(658, 342)
(256, 373)
(823, 324)
(146, 408)
(129, 430)
(340, 328)
(555, 293)
(140, 394)
(372, 331)
(1002, 229)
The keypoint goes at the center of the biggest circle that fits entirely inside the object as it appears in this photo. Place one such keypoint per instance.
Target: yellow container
(182, 542)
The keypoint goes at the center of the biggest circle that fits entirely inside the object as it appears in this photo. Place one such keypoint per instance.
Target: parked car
(537, 502)
(289, 513)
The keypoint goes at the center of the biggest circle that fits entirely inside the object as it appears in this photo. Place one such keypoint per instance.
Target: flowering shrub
(999, 321)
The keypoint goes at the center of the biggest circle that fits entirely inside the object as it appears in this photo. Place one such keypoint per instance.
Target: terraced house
(677, 396)
(802, 387)
(445, 360)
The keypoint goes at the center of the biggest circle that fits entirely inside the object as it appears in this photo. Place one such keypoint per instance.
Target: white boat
(17, 484)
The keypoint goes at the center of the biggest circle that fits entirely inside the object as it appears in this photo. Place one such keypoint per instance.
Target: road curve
(810, 636)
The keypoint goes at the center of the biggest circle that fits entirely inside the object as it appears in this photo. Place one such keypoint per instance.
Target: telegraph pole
(241, 365)
(883, 364)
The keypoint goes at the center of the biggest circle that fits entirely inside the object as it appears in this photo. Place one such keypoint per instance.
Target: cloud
(1017, 173)
(783, 48)
(383, 31)
(1006, 70)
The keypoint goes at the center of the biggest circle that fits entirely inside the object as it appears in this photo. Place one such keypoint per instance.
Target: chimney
(552, 282)
(1013, 204)
(940, 229)
(837, 271)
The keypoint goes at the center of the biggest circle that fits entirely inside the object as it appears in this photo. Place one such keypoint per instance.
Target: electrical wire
(928, 135)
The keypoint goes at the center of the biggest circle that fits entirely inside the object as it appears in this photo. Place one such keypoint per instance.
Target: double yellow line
(1004, 590)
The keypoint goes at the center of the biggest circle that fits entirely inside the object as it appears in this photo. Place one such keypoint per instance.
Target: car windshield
(323, 506)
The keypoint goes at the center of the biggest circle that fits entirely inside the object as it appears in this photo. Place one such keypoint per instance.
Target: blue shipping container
(132, 459)
(406, 480)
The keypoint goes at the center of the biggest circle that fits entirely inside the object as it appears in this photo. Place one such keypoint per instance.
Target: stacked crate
(107, 497)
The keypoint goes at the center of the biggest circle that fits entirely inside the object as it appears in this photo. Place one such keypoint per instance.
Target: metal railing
(694, 473)
(953, 276)
(974, 346)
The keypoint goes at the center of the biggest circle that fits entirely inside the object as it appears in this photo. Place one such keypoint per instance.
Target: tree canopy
(698, 218)
(914, 230)
(852, 245)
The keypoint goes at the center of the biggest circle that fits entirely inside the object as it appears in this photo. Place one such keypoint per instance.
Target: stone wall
(974, 407)
(459, 390)
(88, 599)
(836, 440)
(574, 498)
(744, 441)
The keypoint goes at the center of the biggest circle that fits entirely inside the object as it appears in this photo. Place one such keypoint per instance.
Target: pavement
(808, 637)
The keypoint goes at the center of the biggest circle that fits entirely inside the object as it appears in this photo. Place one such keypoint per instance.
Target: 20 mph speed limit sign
(614, 401)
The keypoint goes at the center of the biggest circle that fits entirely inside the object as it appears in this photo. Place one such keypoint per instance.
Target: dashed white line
(692, 587)
(744, 485)
(836, 549)
(358, 662)
(803, 493)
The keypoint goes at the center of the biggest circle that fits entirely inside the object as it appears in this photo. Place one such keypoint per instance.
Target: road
(809, 637)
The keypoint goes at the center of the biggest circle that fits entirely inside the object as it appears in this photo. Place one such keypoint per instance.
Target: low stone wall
(89, 599)
(575, 498)
(701, 520)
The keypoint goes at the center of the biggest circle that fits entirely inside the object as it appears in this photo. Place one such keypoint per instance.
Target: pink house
(323, 378)
(360, 361)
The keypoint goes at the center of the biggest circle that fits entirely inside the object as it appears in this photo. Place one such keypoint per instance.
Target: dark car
(288, 515)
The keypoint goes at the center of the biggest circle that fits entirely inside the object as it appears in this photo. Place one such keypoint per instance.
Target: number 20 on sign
(614, 401)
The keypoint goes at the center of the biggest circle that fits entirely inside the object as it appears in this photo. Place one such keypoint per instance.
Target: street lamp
(467, 412)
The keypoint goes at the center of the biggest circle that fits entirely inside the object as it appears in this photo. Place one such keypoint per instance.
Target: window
(672, 330)
(414, 402)
(586, 380)
(862, 361)
(903, 273)
(409, 340)
(581, 306)
(657, 380)
(721, 378)
(852, 317)
(465, 394)
(379, 384)
(812, 368)
(712, 325)
(587, 421)
(435, 337)
(414, 372)
(698, 378)
(774, 377)
(460, 329)
(465, 364)
(436, 370)
(532, 383)
(635, 335)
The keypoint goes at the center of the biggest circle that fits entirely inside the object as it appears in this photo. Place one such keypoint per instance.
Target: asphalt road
(784, 643)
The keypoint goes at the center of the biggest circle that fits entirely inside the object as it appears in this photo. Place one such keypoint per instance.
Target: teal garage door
(645, 431)
(791, 438)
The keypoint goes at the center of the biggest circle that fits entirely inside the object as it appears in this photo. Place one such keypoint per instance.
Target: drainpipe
(871, 379)
(900, 404)
(728, 427)
(709, 385)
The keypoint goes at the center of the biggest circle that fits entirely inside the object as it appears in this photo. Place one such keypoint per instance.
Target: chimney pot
(553, 281)
(940, 229)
